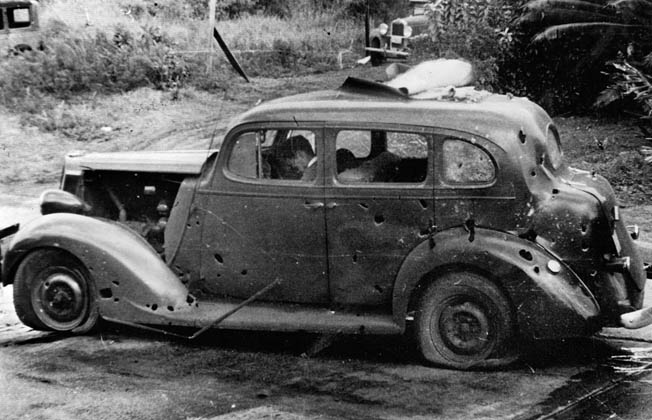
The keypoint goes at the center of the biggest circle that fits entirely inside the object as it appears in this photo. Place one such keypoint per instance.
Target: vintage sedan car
(359, 210)
(393, 40)
(19, 26)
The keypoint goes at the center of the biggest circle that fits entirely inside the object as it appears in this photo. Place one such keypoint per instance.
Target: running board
(273, 317)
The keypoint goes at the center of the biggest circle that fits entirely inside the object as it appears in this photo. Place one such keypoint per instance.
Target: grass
(95, 46)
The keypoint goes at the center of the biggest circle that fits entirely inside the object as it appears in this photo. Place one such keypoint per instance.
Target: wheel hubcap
(60, 301)
(465, 328)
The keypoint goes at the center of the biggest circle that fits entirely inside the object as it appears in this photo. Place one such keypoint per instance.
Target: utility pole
(211, 24)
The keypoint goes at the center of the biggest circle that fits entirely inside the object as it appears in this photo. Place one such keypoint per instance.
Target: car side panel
(546, 304)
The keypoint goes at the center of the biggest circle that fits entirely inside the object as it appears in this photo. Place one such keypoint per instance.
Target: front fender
(547, 304)
(132, 281)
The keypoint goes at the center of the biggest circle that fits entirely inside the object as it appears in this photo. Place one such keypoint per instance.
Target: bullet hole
(536, 269)
(583, 227)
(171, 308)
(116, 300)
(188, 225)
(355, 258)
(106, 293)
(593, 273)
(190, 300)
(379, 219)
(154, 307)
(424, 203)
(378, 289)
(541, 160)
(521, 136)
(218, 275)
(147, 305)
(555, 191)
(197, 222)
(218, 258)
(469, 226)
(585, 246)
(364, 206)
(116, 282)
(424, 232)
(533, 173)
(525, 254)
(243, 272)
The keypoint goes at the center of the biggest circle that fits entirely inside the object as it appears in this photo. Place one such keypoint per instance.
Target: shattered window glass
(466, 163)
(18, 17)
(364, 156)
(275, 155)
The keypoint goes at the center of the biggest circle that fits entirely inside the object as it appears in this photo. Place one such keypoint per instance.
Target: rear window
(466, 163)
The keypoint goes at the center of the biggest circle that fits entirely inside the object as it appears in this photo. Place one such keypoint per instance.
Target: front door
(379, 206)
(264, 217)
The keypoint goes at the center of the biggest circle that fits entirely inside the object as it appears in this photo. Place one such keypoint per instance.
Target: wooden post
(211, 25)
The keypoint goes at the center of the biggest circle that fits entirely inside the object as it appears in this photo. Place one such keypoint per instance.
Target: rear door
(379, 206)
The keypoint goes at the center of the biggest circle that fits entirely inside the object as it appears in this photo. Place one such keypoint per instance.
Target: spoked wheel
(464, 321)
(53, 291)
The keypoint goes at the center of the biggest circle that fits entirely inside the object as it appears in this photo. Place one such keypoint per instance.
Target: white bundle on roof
(434, 74)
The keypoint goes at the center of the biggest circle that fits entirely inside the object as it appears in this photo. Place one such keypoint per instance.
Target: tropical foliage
(590, 33)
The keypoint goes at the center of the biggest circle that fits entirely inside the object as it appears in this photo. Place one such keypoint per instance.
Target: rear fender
(547, 304)
(132, 281)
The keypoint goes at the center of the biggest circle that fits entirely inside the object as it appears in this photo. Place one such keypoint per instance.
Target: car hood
(168, 161)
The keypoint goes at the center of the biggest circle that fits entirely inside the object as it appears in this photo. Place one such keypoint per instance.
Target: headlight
(383, 28)
(407, 31)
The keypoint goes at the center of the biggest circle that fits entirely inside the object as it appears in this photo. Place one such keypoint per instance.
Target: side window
(287, 155)
(377, 156)
(18, 17)
(2, 17)
(466, 163)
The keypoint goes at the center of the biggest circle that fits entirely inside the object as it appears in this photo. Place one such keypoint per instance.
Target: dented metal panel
(131, 279)
(546, 301)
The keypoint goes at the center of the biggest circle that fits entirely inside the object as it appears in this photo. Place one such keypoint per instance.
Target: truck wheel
(463, 321)
(54, 292)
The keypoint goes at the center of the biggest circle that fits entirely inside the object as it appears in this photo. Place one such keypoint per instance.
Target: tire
(54, 292)
(464, 321)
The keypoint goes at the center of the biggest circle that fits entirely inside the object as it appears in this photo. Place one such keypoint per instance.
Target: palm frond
(561, 16)
(543, 5)
(587, 29)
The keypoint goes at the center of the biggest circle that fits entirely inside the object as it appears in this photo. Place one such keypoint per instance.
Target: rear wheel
(54, 292)
(465, 321)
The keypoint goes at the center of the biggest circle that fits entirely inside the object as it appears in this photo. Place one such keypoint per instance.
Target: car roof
(359, 101)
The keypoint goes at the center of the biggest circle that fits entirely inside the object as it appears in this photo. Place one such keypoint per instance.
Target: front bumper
(388, 52)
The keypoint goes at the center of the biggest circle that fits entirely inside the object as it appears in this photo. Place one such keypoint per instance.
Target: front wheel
(463, 321)
(54, 292)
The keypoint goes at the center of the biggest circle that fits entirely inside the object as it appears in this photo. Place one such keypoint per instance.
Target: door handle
(312, 205)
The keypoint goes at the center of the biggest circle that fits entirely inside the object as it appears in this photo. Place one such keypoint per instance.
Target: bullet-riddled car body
(355, 210)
